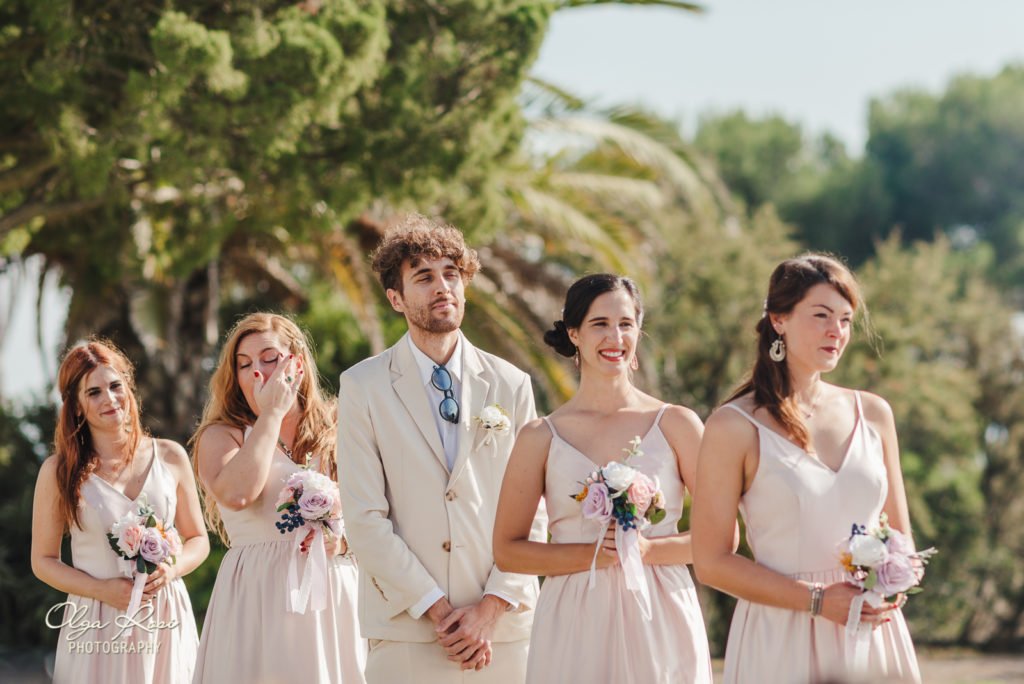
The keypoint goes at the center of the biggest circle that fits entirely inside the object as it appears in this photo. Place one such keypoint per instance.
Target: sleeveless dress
(248, 634)
(600, 634)
(797, 511)
(150, 654)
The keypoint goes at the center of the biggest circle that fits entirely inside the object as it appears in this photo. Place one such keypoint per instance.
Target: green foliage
(24, 600)
(758, 158)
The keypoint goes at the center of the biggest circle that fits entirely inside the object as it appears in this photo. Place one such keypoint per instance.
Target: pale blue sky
(814, 61)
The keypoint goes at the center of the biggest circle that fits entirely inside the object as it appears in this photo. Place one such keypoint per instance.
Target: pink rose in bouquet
(174, 541)
(642, 492)
(129, 540)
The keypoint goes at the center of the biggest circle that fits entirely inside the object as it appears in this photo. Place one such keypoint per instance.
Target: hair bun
(558, 339)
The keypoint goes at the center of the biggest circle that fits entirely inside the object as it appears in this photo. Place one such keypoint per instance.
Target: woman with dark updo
(597, 620)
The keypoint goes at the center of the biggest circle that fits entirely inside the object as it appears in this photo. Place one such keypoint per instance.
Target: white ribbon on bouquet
(312, 591)
(129, 569)
(627, 543)
(858, 634)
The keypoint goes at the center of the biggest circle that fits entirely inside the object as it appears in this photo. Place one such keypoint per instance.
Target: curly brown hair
(415, 237)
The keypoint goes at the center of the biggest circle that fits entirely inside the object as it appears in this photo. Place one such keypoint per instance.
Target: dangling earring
(633, 363)
(777, 352)
(576, 358)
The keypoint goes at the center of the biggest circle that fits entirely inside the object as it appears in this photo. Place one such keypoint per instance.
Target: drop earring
(576, 358)
(777, 352)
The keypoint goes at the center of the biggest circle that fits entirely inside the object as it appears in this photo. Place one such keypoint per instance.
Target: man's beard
(422, 319)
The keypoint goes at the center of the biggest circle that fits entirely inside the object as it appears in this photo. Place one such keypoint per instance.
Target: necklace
(808, 413)
(286, 450)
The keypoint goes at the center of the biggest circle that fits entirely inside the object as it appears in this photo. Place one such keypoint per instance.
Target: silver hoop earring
(777, 352)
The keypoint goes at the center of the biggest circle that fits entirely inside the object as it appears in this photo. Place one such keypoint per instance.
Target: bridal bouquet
(882, 562)
(309, 498)
(620, 493)
(623, 493)
(145, 541)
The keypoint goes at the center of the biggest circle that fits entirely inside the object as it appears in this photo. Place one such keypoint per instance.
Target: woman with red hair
(104, 466)
(266, 419)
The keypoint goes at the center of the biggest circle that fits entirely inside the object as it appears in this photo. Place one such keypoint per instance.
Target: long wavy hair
(315, 433)
(769, 380)
(72, 440)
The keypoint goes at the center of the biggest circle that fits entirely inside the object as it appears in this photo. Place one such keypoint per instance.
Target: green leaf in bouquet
(913, 590)
(872, 580)
(140, 563)
(150, 567)
(151, 521)
(657, 516)
(284, 506)
(113, 544)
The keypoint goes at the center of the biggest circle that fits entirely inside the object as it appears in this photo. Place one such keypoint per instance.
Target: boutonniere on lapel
(494, 420)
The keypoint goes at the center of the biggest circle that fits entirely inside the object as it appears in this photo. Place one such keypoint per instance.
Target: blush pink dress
(797, 511)
(249, 635)
(163, 651)
(600, 634)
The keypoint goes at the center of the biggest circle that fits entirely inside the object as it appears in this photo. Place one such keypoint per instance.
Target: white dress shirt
(448, 431)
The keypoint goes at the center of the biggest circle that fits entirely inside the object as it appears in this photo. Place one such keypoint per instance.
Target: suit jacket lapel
(408, 385)
(476, 393)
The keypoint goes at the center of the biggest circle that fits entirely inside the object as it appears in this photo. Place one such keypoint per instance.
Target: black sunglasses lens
(449, 410)
(441, 379)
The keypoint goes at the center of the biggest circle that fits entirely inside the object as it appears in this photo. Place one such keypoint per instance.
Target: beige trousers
(399, 662)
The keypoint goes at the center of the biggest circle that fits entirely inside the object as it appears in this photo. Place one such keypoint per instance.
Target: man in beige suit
(420, 476)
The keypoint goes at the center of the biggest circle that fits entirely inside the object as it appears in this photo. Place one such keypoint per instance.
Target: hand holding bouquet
(620, 493)
(309, 498)
(146, 541)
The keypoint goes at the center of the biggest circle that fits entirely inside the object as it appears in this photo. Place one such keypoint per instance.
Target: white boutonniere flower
(495, 420)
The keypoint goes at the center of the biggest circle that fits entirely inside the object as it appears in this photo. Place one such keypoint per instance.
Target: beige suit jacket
(411, 523)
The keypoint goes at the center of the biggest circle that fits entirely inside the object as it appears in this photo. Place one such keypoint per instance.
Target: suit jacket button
(450, 496)
(447, 546)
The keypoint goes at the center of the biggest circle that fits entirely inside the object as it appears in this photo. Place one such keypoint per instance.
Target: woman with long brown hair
(103, 467)
(265, 418)
(803, 460)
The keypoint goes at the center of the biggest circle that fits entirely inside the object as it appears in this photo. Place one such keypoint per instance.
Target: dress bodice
(798, 510)
(568, 467)
(101, 504)
(254, 524)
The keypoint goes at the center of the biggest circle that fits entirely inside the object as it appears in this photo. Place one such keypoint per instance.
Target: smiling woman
(617, 603)
(103, 472)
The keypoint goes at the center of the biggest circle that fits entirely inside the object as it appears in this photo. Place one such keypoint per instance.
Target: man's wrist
(439, 610)
(498, 605)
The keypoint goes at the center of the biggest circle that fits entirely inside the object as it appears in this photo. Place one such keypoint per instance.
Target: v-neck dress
(98, 655)
(248, 634)
(797, 511)
(600, 635)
